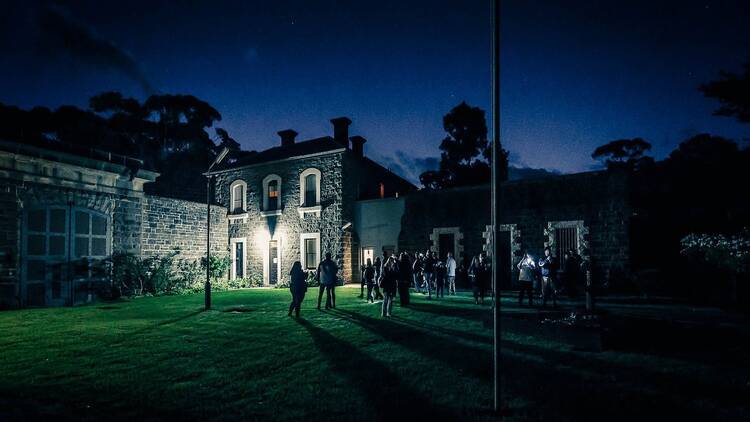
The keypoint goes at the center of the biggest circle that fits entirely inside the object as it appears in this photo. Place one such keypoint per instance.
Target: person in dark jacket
(478, 273)
(548, 268)
(440, 279)
(327, 275)
(378, 272)
(526, 274)
(368, 278)
(389, 283)
(298, 287)
(428, 270)
(416, 271)
(404, 278)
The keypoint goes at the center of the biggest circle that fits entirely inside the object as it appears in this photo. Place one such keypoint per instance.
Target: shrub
(219, 266)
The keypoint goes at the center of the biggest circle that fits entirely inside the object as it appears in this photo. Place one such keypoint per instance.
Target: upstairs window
(310, 188)
(271, 193)
(238, 194)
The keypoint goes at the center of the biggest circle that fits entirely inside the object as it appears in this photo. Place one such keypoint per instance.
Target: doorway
(446, 243)
(273, 262)
(504, 253)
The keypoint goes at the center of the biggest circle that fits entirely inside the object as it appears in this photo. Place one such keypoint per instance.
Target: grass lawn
(163, 358)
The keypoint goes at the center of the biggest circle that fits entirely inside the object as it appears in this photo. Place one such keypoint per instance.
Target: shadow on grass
(478, 338)
(387, 397)
(477, 314)
(462, 357)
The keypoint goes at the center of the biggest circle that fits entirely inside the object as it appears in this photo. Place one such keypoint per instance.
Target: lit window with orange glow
(382, 190)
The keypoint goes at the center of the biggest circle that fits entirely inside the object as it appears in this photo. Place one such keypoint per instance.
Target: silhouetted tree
(168, 132)
(624, 153)
(466, 151)
(733, 92)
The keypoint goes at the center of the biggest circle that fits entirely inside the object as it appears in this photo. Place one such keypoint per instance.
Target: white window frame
(317, 208)
(303, 251)
(266, 212)
(234, 184)
(233, 269)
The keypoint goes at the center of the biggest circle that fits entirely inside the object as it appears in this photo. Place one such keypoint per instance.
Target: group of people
(545, 278)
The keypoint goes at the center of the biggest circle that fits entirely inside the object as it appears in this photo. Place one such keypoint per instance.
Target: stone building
(297, 201)
(587, 212)
(64, 211)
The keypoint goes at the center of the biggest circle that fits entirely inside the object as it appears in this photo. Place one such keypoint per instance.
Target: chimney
(358, 145)
(341, 130)
(287, 137)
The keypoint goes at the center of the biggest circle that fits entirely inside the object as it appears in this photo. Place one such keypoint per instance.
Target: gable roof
(298, 149)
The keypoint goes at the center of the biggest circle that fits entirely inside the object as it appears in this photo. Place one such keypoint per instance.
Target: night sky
(575, 75)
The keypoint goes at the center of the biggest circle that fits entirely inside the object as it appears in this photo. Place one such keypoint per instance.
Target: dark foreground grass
(163, 358)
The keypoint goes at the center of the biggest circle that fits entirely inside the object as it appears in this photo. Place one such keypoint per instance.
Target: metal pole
(208, 244)
(497, 263)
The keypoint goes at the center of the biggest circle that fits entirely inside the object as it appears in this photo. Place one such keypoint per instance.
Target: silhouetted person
(378, 272)
(526, 274)
(416, 270)
(326, 274)
(368, 278)
(429, 271)
(404, 279)
(478, 273)
(548, 268)
(440, 279)
(450, 269)
(298, 287)
(389, 282)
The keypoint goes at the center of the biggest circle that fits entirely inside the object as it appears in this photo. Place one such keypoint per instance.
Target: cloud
(520, 173)
(64, 34)
(409, 167)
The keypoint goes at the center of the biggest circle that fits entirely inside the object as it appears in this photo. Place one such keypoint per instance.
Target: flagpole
(496, 154)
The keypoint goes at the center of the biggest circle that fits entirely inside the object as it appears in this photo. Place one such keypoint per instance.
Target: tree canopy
(733, 92)
(624, 153)
(168, 132)
(466, 151)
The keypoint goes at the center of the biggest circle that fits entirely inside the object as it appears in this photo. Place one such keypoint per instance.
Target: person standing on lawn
(416, 271)
(429, 272)
(298, 287)
(389, 283)
(450, 269)
(440, 275)
(478, 273)
(327, 274)
(548, 268)
(368, 278)
(404, 279)
(526, 269)
(378, 273)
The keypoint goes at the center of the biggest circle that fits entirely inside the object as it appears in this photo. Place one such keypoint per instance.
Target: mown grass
(163, 358)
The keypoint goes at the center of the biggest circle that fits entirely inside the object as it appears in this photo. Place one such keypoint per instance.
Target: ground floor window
(310, 250)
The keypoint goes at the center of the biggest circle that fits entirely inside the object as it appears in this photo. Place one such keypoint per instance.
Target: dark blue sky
(575, 75)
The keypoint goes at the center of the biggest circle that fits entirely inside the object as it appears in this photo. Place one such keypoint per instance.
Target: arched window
(272, 193)
(238, 197)
(309, 182)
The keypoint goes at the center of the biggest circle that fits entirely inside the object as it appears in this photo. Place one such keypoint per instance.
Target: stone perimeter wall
(599, 199)
(140, 224)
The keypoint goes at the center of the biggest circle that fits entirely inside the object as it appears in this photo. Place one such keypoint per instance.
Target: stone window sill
(309, 210)
(270, 213)
(237, 216)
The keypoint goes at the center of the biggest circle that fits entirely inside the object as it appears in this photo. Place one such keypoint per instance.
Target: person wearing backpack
(368, 278)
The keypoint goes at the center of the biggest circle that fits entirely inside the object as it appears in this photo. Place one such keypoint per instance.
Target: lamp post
(207, 286)
(497, 263)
